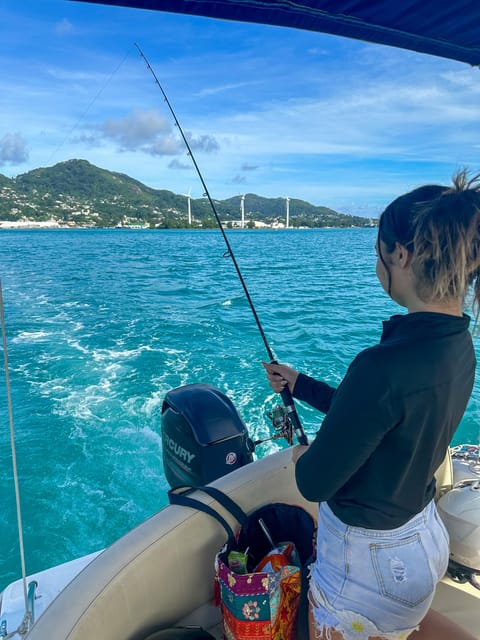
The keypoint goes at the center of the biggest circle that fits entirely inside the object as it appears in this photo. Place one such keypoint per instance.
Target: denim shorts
(369, 582)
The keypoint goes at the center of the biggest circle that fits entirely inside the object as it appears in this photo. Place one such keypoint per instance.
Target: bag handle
(179, 496)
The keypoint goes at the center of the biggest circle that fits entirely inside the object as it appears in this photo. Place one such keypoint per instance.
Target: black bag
(285, 522)
(259, 531)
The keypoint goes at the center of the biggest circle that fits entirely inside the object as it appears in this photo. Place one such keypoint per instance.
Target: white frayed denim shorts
(369, 582)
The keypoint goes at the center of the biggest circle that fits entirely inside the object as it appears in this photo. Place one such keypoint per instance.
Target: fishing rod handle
(292, 412)
(293, 415)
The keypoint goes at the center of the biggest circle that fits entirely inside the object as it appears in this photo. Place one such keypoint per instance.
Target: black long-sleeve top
(389, 423)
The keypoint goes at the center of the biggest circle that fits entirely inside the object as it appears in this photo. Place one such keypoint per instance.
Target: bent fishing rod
(285, 393)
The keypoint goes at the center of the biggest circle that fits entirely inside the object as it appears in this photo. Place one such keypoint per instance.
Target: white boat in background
(42, 588)
(161, 574)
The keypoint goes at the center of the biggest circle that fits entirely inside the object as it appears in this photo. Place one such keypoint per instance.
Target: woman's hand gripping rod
(285, 394)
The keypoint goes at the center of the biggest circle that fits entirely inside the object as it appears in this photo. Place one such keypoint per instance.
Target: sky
(267, 110)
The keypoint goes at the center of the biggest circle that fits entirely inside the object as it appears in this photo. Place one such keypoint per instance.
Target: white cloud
(204, 142)
(382, 118)
(238, 179)
(149, 131)
(63, 26)
(224, 88)
(165, 145)
(176, 164)
(13, 149)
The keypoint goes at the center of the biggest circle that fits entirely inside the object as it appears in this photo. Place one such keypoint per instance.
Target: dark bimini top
(390, 422)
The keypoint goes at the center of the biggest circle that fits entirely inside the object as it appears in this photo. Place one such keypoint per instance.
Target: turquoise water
(101, 324)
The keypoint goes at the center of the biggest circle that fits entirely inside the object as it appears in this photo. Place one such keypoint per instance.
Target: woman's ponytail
(446, 242)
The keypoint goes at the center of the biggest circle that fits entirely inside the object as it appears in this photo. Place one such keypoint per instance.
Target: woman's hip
(388, 577)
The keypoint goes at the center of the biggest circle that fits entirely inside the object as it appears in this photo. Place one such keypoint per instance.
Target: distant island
(76, 193)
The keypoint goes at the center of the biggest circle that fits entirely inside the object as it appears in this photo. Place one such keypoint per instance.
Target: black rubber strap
(180, 496)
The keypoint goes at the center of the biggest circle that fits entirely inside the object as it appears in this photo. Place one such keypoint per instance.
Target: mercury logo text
(179, 451)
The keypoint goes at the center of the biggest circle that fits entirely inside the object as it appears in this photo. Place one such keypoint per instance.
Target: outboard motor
(459, 509)
(465, 462)
(203, 436)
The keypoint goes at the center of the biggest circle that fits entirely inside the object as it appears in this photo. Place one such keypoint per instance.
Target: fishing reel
(282, 425)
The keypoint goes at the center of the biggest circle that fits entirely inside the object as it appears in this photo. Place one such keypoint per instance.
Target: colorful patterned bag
(261, 570)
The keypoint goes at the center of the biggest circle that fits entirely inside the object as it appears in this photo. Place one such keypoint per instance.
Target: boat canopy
(446, 29)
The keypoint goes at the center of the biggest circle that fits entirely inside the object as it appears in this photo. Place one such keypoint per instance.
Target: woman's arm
(316, 393)
(354, 426)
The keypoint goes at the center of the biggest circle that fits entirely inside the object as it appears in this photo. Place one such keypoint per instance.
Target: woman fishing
(381, 546)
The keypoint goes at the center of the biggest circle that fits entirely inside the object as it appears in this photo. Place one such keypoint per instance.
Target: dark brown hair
(440, 227)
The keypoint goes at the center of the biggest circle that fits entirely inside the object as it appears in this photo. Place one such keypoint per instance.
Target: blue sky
(268, 110)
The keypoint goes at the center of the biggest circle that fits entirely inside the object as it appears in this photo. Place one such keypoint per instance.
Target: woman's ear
(402, 255)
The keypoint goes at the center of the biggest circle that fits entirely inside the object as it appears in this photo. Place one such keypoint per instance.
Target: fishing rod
(285, 393)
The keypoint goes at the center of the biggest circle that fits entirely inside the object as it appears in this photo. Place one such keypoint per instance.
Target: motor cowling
(203, 436)
(460, 512)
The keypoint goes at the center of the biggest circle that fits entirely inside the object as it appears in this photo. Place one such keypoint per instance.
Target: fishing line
(89, 106)
(285, 394)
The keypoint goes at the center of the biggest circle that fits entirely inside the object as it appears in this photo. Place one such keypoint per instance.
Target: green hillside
(77, 193)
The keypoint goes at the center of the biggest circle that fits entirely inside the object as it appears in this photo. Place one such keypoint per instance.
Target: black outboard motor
(203, 436)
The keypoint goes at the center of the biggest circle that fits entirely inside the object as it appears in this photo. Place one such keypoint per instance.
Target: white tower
(242, 210)
(189, 207)
(287, 207)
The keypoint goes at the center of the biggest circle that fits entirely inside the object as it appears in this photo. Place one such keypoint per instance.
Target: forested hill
(78, 193)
